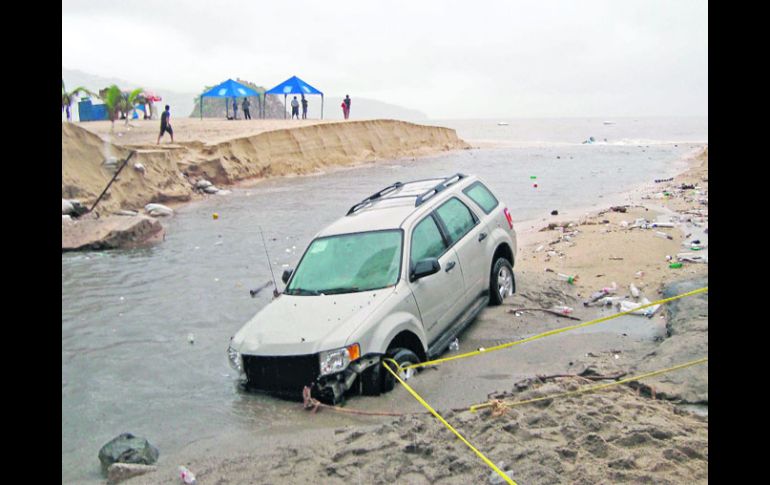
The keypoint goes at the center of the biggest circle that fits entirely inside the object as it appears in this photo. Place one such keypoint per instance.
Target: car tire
(403, 357)
(502, 284)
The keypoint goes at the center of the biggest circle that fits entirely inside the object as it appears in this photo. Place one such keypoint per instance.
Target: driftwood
(554, 312)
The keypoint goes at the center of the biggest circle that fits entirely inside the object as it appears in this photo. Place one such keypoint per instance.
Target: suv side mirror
(425, 267)
(286, 275)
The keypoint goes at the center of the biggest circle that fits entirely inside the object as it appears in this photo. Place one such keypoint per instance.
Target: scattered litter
(639, 274)
(191, 338)
(691, 258)
(216, 279)
(539, 248)
(663, 235)
(215, 215)
(140, 168)
(657, 181)
(630, 306)
(564, 310)
(554, 213)
(675, 265)
(454, 345)
(624, 224)
(617, 356)
(634, 290)
(217, 243)
(187, 476)
(122, 298)
(568, 278)
(662, 224)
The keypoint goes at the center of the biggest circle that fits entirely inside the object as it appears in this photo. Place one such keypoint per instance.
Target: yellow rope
(445, 423)
(497, 403)
(553, 332)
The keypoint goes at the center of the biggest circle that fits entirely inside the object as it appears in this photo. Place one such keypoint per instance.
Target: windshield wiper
(334, 291)
(302, 291)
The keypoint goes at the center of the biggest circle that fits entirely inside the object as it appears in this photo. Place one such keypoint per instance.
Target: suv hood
(298, 325)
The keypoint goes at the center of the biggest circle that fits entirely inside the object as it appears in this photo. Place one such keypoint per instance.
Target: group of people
(245, 105)
(165, 118)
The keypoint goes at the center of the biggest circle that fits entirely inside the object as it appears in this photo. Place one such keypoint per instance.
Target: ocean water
(127, 364)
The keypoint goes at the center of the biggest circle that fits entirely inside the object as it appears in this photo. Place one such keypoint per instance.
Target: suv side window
(427, 241)
(481, 196)
(457, 219)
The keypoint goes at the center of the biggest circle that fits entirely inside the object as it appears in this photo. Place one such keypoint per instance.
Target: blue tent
(295, 85)
(228, 89)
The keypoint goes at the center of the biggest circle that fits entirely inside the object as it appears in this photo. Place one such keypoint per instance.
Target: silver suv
(400, 276)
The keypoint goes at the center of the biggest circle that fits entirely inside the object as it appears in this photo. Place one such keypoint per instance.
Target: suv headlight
(234, 358)
(337, 360)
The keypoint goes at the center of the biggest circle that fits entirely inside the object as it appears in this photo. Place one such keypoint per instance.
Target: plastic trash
(568, 278)
(455, 345)
(639, 274)
(675, 265)
(191, 338)
(662, 235)
(215, 216)
(634, 290)
(186, 476)
(564, 310)
(539, 248)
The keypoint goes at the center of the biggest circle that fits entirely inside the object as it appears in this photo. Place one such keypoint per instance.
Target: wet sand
(631, 433)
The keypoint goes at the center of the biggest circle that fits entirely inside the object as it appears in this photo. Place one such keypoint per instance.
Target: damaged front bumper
(333, 387)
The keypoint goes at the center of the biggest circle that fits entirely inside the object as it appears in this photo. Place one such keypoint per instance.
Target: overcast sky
(449, 59)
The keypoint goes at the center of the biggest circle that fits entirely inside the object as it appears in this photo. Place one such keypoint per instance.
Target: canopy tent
(228, 89)
(295, 85)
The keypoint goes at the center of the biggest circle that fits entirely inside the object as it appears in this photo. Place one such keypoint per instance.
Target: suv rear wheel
(501, 282)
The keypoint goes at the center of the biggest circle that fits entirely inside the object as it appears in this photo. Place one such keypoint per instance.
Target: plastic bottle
(634, 290)
(186, 476)
(565, 277)
(455, 345)
(662, 235)
(675, 265)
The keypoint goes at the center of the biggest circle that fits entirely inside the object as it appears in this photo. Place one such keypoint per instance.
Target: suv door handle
(449, 266)
(482, 236)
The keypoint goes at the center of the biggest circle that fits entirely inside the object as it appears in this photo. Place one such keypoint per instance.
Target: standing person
(347, 104)
(344, 109)
(235, 108)
(246, 105)
(294, 108)
(165, 124)
(304, 107)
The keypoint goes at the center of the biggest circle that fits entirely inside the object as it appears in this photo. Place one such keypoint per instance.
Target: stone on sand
(111, 232)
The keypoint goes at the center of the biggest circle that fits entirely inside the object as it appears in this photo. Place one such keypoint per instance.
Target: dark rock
(127, 448)
(554, 213)
(111, 232)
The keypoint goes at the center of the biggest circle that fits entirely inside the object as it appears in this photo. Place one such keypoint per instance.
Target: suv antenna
(269, 265)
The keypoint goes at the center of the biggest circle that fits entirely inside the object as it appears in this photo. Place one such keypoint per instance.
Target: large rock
(127, 448)
(111, 232)
(118, 472)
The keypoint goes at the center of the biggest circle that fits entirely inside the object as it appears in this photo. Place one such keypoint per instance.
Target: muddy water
(128, 316)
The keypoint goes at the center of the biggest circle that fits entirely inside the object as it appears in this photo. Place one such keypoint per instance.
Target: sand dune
(225, 152)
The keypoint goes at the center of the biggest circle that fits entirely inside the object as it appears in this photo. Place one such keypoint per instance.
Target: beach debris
(675, 265)
(202, 184)
(118, 472)
(634, 290)
(639, 274)
(619, 208)
(554, 212)
(662, 224)
(663, 235)
(657, 181)
(215, 216)
(568, 278)
(140, 168)
(535, 185)
(691, 258)
(73, 207)
(623, 224)
(454, 345)
(597, 295)
(156, 210)
(495, 478)
(186, 475)
(563, 309)
(255, 291)
(129, 213)
(630, 306)
(127, 448)
(191, 338)
(539, 248)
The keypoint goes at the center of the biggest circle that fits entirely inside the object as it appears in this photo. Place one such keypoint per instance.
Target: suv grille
(285, 375)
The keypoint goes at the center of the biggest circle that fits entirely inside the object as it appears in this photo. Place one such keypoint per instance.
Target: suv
(400, 276)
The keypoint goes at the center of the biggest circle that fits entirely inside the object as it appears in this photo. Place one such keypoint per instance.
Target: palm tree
(112, 99)
(67, 98)
(128, 102)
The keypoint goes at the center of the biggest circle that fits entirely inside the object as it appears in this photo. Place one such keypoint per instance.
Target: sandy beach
(638, 432)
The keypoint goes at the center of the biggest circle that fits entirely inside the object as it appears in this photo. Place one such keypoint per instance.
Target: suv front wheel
(501, 282)
(404, 357)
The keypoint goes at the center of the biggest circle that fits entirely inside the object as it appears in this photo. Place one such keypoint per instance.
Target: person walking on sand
(294, 108)
(246, 105)
(347, 106)
(304, 107)
(235, 108)
(165, 124)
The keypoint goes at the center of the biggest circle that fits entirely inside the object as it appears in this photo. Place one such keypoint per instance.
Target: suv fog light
(234, 359)
(337, 360)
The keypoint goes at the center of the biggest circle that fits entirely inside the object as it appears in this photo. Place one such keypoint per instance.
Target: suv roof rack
(453, 179)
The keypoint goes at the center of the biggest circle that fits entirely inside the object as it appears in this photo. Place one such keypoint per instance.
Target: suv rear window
(457, 218)
(481, 196)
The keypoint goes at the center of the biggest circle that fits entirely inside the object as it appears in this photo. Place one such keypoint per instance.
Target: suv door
(468, 237)
(438, 296)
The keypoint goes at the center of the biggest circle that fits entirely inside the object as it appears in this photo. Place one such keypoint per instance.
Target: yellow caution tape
(554, 332)
(444, 422)
(476, 407)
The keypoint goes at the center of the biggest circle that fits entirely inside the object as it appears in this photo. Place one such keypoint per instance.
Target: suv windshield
(348, 263)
